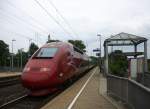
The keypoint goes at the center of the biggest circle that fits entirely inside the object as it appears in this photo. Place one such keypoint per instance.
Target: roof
(124, 39)
(133, 53)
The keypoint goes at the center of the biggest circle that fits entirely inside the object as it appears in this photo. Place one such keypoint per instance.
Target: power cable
(18, 34)
(19, 18)
(31, 17)
(14, 19)
(50, 15)
(64, 19)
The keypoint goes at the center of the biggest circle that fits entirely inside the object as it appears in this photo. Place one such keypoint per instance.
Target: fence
(135, 95)
(147, 80)
(7, 69)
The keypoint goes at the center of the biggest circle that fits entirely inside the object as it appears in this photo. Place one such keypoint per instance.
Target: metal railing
(134, 94)
(147, 80)
(8, 69)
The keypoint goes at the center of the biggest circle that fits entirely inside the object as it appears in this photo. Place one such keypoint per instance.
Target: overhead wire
(31, 40)
(9, 21)
(31, 17)
(22, 20)
(18, 34)
(64, 19)
(50, 15)
(16, 20)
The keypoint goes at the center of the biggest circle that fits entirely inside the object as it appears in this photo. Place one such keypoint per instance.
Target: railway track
(28, 102)
(22, 100)
(11, 92)
(14, 96)
(10, 89)
(12, 101)
(6, 81)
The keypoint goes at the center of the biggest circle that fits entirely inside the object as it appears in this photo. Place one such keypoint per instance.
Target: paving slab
(90, 98)
(63, 100)
(7, 74)
(87, 93)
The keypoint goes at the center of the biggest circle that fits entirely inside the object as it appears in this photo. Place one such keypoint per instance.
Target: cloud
(86, 17)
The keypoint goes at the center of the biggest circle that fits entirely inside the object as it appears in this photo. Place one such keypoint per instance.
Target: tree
(17, 58)
(118, 63)
(78, 43)
(4, 53)
(94, 60)
(32, 49)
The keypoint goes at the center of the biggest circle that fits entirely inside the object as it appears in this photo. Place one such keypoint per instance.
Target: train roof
(59, 44)
(56, 44)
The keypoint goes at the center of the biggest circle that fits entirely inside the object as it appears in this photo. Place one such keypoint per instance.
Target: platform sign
(96, 50)
(97, 54)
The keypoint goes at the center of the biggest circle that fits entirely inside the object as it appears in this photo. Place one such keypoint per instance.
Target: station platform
(8, 74)
(87, 93)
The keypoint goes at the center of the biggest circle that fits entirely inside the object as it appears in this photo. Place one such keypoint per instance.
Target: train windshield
(46, 53)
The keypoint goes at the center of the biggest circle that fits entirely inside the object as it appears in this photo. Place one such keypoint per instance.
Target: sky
(84, 19)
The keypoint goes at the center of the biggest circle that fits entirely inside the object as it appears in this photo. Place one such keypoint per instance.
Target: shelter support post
(145, 57)
(135, 51)
(106, 58)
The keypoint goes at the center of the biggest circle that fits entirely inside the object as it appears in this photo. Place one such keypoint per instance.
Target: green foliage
(118, 63)
(78, 43)
(5, 56)
(4, 53)
(94, 60)
(33, 48)
(17, 58)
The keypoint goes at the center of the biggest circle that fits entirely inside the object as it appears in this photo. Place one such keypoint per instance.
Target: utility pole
(21, 58)
(49, 38)
(9, 58)
(29, 47)
(12, 62)
(99, 52)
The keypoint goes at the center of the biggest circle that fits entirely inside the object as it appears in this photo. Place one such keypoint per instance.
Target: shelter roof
(124, 39)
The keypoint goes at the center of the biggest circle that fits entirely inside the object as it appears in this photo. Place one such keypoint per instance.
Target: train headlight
(26, 69)
(44, 69)
(61, 74)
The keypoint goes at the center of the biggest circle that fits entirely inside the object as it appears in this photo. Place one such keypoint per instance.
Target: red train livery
(51, 66)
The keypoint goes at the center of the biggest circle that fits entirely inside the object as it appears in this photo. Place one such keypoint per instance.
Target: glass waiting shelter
(125, 39)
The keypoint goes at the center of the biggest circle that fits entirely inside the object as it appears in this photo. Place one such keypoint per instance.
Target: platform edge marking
(81, 90)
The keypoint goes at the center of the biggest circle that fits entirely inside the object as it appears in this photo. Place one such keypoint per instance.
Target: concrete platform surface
(7, 74)
(91, 98)
(84, 94)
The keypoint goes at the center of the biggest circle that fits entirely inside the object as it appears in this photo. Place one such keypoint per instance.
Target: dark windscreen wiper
(42, 57)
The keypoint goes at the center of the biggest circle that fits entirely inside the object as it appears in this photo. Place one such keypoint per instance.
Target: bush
(118, 63)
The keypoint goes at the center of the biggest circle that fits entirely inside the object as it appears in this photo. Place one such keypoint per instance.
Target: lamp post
(9, 58)
(21, 57)
(12, 62)
(99, 52)
(29, 47)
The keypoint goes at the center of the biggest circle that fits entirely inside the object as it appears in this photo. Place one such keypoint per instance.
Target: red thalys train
(51, 66)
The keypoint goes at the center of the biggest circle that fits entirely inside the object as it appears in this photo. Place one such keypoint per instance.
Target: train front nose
(36, 78)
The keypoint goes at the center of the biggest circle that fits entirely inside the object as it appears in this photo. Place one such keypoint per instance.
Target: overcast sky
(24, 19)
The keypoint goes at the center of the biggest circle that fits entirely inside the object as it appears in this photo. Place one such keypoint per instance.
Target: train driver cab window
(46, 53)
